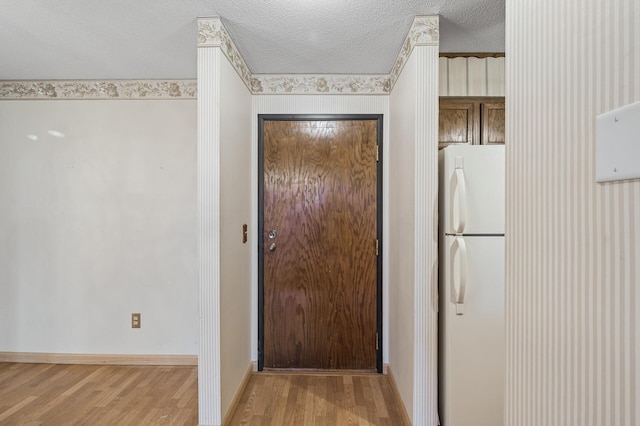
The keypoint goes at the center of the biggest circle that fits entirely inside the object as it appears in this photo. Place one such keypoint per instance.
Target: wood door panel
(320, 282)
(457, 123)
(471, 120)
(493, 123)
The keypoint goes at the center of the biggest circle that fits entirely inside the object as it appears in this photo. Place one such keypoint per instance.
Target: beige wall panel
(495, 76)
(236, 201)
(472, 76)
(476, 76)
(458, 77)
(402, 243)
(443, 81)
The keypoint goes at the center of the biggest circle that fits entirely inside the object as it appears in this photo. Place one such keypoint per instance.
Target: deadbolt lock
(272, 234)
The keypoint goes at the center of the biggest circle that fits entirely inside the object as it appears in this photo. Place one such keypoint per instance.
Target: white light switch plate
(618, 144)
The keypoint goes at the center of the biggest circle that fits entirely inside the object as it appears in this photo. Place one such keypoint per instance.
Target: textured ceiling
(156, 39)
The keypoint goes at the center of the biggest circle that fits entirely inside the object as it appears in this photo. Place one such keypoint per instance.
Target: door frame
(379, 218)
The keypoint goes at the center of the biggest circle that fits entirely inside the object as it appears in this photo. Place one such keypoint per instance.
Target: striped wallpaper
(573, 246)
(425, 386)
(208, 182)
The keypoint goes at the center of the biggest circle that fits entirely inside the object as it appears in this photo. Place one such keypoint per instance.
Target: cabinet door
(492, 123)
(459, 122)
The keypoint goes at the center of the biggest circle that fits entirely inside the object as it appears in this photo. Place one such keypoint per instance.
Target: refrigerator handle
(459, 275)
(459, 211)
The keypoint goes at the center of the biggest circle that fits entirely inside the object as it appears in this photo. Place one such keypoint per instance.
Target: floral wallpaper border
(300, 84)
(423, 32)
(211, 33)
(99, 89)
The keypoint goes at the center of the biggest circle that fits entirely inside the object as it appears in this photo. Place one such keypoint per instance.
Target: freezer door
(472, 339)
(472, 188)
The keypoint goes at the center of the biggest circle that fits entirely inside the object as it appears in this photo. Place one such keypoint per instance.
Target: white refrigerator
(471, 285)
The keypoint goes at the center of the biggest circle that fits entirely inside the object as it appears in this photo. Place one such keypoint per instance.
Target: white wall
(236, 182)
(572, 245)
(96, 225)
(401, 251)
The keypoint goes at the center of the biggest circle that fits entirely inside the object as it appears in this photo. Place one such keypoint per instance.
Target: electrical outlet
(135, 320)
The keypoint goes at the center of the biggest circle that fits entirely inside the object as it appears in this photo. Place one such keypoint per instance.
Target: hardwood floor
(51, 394)
(318, 399)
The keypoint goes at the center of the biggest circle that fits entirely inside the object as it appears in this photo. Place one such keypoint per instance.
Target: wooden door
(318, 255)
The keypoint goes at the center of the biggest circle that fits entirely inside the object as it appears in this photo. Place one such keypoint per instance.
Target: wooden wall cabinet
(471, 120)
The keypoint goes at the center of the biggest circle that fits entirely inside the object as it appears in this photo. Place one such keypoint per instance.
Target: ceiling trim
(212, 34)
(98, 89)
(328, 84)
(423, 32)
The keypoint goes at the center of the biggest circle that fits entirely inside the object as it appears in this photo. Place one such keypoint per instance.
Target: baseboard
(236, 399)
(98, 359)
(398, 397)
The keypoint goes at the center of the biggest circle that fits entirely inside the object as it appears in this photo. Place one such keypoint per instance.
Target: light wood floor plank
(289, 398)
(50, 394)
(37, 394)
